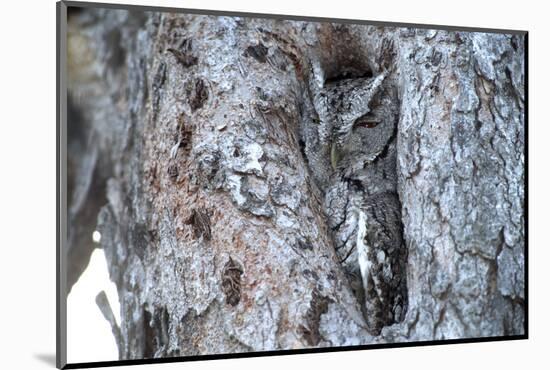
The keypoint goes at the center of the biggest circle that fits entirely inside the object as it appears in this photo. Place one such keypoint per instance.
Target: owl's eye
(366, 122)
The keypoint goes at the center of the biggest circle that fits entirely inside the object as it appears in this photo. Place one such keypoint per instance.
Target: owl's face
(369, 136)
(371, 132)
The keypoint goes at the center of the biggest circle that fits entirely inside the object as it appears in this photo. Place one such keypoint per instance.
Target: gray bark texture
(189, 150)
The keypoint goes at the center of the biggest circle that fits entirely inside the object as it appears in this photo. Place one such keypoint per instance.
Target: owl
(343, 106)
(358, 121)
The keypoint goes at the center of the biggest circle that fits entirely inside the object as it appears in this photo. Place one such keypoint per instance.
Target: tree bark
(189, 159)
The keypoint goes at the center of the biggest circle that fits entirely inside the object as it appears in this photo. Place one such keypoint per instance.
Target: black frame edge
(58, 364)
(211, 12)
(61, 104)
(526, 183)
(61, 17)
(223, 356)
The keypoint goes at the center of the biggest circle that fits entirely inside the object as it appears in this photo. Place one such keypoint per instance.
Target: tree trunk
(191, 137)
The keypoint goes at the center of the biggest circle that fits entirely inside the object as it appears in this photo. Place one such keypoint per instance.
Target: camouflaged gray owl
(358, 121)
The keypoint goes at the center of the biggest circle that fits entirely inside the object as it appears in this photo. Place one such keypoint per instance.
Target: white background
(27, 181)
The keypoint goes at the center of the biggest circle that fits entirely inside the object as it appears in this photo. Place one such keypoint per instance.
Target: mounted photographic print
(234, 184)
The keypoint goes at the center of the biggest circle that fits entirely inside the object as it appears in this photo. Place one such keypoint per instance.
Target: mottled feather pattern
(358, 119)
